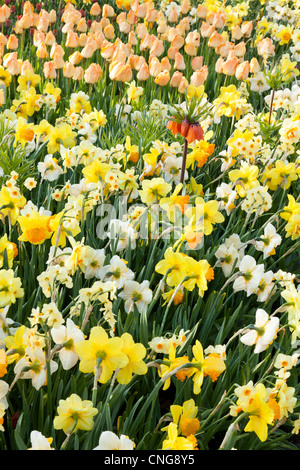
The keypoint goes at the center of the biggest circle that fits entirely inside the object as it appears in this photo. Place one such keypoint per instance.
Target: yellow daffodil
(16, 345)
(135, 353)
(75, 413)
(35, 228)
(99, 347)
(260, 414)
(175, 442)
(185, 418)
(175, 262)
(11, 251)
(154, 189)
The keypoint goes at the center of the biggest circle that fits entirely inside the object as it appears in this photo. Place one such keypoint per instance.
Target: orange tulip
(43, 25)
(99, 38)
(58, 61)
(95, 9)
(230, 65)
(109, 31)
(142, 10)
(78, 74)
(176, 79)
(42, 52)
(108, 11)
(143, 73)
(172, 51)
(107, 50)
(131, 17)
(254, 65)
(240, 49)
(197, 63)
(151, 15)
(162, 27)
(224, 49)
(6, 11)
(3, 39)
(206, 29)
(124, 27)
(27, 8)
(12, 42)
(201, 11)
(75, 58)
(26, 21)
(93, 73)
(56, 49)
(219, 65)
(89, 48)
(49, 70)
(177, 41)
(219, 20)
(246, 28)
(185, 7)
(120, 72)
(236, 33)
(163, 78)
(173, 16)
(50, 39)
(141, 30)
(155, 67)
(104, 22)
(132, 39)
(215, 40)
(82, 38)
(199, 77)
(72, 39)
(68, 70)
(179, 62)
(26, 66)
(265, 47)
(242, 70)
(183, 85)
(52, 16)
(14, 67)
(165, 64)
(157, 48)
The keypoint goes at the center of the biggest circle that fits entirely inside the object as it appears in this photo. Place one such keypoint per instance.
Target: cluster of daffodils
(149, 224)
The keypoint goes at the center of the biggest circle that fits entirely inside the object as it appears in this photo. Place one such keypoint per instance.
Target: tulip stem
(183, 163)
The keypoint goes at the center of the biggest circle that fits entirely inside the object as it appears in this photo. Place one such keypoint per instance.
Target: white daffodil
(172, 169)
(258, 83)
(35, 361)
(122, 231)
(40, 442)
(3, 392)
(264, 331)
(226, 195)
(67, 336)
(49, 168)
(95, 262)
(116, 271)
(5, 325)
(266, 286)
(136, 294)
(251, 274)
(227, 258)
(269, 241)
(110, 441)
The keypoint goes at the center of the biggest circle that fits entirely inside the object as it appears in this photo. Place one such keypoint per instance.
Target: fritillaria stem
(271, 105)
(184, 155)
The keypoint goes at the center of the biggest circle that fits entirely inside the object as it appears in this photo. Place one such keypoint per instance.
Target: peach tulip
(49, 70)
